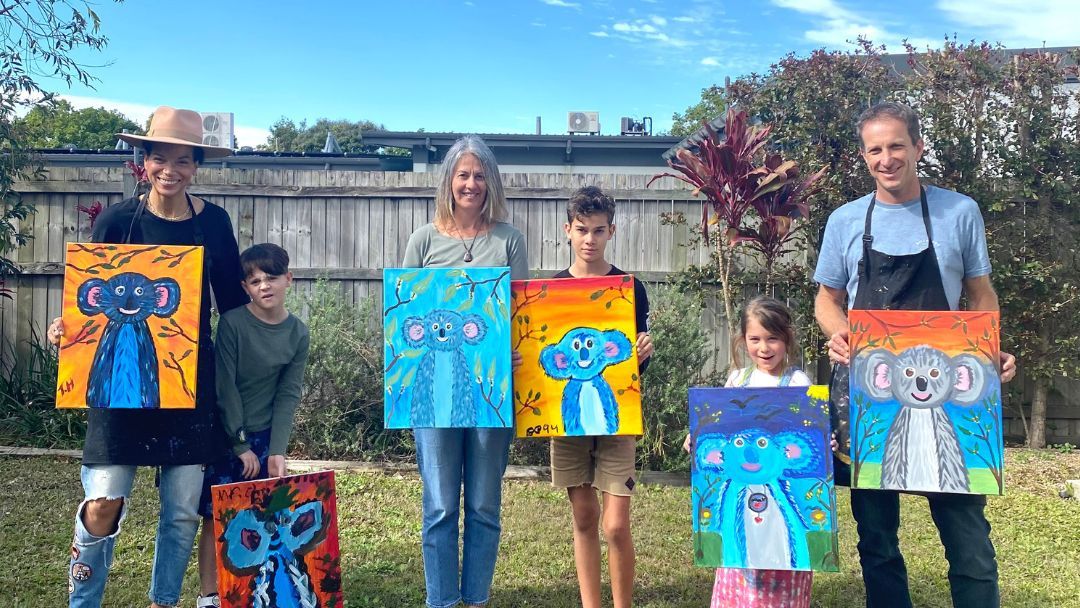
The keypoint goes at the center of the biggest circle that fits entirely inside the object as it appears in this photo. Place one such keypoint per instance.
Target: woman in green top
(469, 231)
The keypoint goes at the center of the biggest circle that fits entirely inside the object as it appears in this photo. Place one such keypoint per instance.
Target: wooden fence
(349, 225)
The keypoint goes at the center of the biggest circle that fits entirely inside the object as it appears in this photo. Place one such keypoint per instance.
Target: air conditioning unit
(218, 129)
(583, 122)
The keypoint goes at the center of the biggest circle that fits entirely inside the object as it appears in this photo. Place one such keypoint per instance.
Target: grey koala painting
(922, 448)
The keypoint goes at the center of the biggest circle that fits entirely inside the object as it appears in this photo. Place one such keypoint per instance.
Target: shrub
(677, 364)
(28, 414)
(341, 411)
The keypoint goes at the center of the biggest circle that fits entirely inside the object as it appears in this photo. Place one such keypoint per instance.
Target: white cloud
(836, 26)
(538, 24)
(684, 19)
(658, 20)
(634, 28)
(1053, 22)
(600, 34)
(245, 135)
(562, 4)
(710, 61)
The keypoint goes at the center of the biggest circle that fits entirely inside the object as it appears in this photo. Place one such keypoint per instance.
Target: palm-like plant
(737, 176)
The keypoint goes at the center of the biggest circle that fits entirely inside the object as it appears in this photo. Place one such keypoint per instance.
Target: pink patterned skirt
(741, 588)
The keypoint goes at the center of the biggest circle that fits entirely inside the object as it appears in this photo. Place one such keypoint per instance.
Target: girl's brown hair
(775, 318)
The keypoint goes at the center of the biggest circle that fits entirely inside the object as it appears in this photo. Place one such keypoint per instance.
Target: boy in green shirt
(261, 353)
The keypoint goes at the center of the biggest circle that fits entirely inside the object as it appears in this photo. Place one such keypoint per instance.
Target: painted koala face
(584, 352)
(444, 330)
(755, 456)
(923, 377)
(129, 297)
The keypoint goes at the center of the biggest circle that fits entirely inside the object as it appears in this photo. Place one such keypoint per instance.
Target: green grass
(1035, 533)
(979, 480)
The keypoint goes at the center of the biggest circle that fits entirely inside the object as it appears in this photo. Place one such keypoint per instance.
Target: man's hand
(686, 443)
(1008, 366)
(251, 464)
(275, 465)
(644, 346)
(838, 347)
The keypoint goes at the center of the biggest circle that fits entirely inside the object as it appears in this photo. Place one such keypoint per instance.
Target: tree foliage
(286, 135)
(1001, 128)
(58, 125)
(38, 38)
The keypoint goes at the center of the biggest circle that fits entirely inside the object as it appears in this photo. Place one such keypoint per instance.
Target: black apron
(886, 282)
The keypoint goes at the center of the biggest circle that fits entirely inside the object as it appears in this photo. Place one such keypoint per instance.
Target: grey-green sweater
(260, 371)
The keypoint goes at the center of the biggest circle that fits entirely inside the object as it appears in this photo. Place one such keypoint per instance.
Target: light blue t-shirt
(959, 239)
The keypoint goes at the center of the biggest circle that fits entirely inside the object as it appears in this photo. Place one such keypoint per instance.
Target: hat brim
(139, 141)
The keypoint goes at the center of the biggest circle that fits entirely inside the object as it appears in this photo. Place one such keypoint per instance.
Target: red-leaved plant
(737, 176)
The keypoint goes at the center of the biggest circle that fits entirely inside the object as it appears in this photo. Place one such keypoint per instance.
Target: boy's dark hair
(588, 201)
(267, 257)
(197, 154)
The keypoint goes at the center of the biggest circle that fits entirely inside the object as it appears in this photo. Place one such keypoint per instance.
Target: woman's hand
(55, 332)
(275, 465)
(686, 443)
(516, 360)
(251, 464)
(644, 346)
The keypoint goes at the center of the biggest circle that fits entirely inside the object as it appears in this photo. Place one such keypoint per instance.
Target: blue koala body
(758, 516)
(124, 373)
(443, 390)
(581, 356)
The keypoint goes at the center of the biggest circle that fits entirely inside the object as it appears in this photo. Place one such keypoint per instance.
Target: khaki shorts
(607, 463)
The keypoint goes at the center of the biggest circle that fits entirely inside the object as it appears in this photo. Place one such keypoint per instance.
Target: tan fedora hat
(175, 126)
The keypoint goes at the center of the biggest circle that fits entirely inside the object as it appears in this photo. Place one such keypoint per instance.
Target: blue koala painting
(271, 545)
(759, 518)
(443, 391)
(581, 356)
(124, 373)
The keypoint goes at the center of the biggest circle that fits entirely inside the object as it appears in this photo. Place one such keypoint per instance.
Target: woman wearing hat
(177, 442)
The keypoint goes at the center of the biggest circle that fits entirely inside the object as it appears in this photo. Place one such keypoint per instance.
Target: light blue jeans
(449, 460)
(178, 520)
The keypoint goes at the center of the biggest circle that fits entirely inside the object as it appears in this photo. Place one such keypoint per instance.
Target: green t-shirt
(260, 371)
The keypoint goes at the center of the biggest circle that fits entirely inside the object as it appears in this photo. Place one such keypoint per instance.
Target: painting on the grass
(277, 542)
(447, 347)
(580, 371)
(762, 478)
(131, 326)
(925, 408)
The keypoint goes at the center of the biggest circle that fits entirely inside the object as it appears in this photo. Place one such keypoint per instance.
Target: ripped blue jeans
(178, 520)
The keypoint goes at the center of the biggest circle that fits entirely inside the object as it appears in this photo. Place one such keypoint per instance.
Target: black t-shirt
(171, 437)
(641, 303)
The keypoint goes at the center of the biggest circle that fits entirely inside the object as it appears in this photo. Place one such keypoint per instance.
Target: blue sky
(493, 66)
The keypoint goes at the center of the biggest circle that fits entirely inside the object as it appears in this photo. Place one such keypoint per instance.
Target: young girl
(765, 330)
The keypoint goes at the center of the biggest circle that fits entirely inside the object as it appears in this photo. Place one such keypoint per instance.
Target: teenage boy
(584, 465)
(261, 353)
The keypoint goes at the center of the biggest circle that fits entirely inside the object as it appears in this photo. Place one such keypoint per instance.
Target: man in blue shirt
(908, 247)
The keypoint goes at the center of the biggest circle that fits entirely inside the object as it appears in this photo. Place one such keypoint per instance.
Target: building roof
(526, 150)
(899, 61)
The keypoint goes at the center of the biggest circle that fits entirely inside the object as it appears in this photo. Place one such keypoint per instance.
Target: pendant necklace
(468, 248)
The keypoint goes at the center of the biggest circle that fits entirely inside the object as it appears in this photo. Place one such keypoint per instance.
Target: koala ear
(307, 522)
(710, 451)
(798, 451)
(474, 329)
(89, 296)
(617, 346)
(166, 296)
(971, 376)
(877, 373)
(555, 362)
(413, 329)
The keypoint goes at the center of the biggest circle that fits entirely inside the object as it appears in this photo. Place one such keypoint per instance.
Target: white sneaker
(210, 601)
